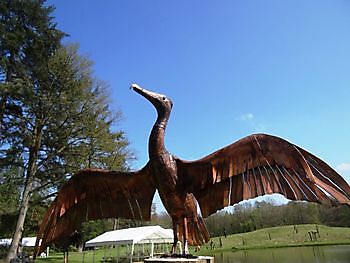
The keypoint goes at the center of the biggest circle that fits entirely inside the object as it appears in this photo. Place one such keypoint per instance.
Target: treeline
(247, 217)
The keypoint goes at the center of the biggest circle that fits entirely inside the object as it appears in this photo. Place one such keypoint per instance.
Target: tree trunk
(2, 107)
(33, 156)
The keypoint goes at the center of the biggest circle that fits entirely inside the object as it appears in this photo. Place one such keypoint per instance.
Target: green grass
(284, 236)
(98, 255)
(75, 257)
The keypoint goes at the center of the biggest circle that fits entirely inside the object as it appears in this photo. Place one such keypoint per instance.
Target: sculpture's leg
(185, 236)
(173, 249)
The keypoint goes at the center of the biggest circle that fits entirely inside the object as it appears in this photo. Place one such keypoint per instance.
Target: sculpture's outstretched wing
(93, 194)
(257, 165)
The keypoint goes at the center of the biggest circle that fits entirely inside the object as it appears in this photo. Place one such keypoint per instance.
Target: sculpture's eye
(164, 98)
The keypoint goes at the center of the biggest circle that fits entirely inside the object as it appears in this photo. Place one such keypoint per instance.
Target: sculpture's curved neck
(156, 139)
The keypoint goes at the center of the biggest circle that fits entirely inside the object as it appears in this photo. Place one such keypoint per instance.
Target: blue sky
(232, 68)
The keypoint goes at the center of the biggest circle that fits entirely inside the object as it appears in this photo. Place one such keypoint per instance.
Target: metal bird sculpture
(255, 165)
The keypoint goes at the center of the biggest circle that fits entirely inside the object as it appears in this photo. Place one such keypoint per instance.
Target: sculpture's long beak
(149, 95)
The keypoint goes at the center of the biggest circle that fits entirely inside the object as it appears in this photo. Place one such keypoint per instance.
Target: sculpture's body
(256, 165)
(180, 205)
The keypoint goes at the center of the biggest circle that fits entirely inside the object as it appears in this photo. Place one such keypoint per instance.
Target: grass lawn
(87, 256)
(284, 236)
(107, 253)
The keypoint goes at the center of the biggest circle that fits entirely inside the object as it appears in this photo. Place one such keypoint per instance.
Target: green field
(284, 236)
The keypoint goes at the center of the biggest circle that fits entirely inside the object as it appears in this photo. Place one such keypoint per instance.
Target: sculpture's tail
(197, 232)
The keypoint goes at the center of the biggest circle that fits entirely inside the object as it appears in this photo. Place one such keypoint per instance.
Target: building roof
(137, 235)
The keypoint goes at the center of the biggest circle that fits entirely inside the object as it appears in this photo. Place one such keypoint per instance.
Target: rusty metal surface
(255, 165)
(93, 194)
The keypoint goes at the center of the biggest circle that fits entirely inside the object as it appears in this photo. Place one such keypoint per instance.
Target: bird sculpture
(256, 165)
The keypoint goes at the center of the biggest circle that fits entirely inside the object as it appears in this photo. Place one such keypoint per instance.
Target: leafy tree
(10, 181)
(53, 114)
(335, 215)
(27, 40)
(9, 189)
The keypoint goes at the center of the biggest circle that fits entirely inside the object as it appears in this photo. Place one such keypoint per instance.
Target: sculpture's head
(161, 102)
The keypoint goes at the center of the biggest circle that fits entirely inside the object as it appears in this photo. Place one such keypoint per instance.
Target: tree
(28, 39)
(9, 191)
(75, 125)
(10, 180)
(53, 113)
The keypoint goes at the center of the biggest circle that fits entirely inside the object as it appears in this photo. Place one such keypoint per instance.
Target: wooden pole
(65, 256)
(185, 236)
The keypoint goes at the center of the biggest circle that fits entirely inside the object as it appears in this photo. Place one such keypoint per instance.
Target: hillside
(283, 236)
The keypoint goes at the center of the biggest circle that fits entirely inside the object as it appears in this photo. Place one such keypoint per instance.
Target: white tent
(26, 241)
(131, 236)
(5, 241)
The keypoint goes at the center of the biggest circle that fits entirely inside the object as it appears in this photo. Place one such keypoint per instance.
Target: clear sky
(232, 68)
